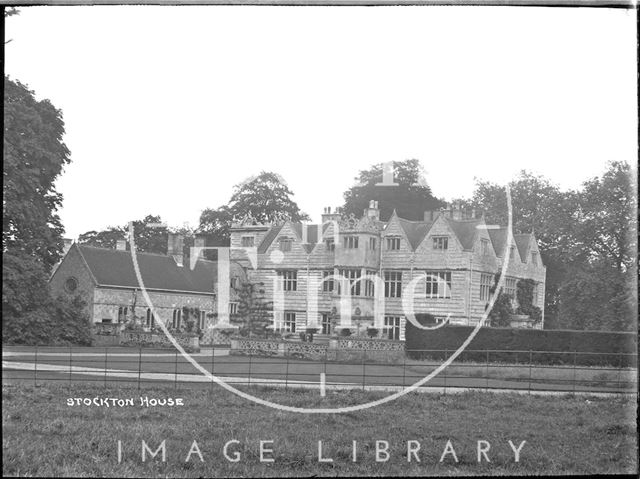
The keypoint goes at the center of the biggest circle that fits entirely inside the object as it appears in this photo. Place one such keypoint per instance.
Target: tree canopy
(410, 196)
(265, 197)
(586, 241)
(34, 157)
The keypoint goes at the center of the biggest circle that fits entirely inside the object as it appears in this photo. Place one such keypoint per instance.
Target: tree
(102, 239)
(149, 238)
(537, 206)
(606, 214)
(266, 198)
(411, 197)
(34, 157)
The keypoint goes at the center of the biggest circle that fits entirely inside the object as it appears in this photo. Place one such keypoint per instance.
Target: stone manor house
(450, 259)
(452, 256)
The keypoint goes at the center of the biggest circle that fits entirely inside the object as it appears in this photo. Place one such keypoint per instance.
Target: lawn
(43, 436)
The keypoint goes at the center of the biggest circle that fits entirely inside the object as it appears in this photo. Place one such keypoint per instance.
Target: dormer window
(512, 252)
(534, 258)
(372, 244)
(351, 242)
(393, 243)
(285, 244)
(441, 242)
(247, 241)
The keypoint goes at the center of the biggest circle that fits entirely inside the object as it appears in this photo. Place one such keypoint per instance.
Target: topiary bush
(513, 345)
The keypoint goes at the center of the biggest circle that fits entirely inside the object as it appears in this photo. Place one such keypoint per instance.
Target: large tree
(402, 188)
(585, 237)
(149, 236)
(34, 157)
(266, 198)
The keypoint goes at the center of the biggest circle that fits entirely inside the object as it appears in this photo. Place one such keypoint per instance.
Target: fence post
(35, 368)
(286, 374)
(446, 354)
(249, 379)
(620, 355)
(70, 363)
(487, 366)
(175, 377)
(530, 364)
(404, 370)
(574, 371)
(139, 365)
(105, 366)
(364, 366)
(212, 363)
(326, 352)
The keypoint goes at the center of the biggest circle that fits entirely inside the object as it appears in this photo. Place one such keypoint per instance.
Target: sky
(167, 108)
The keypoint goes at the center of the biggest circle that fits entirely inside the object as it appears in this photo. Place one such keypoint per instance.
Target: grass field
(43, 436)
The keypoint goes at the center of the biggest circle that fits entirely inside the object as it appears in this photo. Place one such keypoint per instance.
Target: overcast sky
(166, 108)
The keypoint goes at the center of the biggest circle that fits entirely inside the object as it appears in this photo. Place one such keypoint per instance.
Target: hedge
(520, 345)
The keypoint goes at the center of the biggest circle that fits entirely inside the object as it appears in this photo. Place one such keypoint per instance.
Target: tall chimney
(174, 247)
(372, 211)
(327, 215)
(121, 245)
(200, 241)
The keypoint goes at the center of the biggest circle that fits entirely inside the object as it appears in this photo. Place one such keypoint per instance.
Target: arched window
(151, 321)
(177, 317)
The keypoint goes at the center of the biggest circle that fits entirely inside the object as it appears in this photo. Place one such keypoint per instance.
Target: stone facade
(455, 251)
(121, 303)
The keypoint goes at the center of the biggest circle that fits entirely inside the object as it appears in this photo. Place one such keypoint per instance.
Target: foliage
(508, 344)
(345, 332)
(254, 310)
(34, 157)
(266, 198)
(372, 332)
(585, 238)
(148, 239)
(411, 197)
(57, 322)
(500, 314)
(524, 294)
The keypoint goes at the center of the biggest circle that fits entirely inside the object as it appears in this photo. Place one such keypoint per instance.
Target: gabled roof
(465, 230)
(312, 236)
(523, 241)
(268, 238)
(499, 240)
(115, 268)
(415, 231)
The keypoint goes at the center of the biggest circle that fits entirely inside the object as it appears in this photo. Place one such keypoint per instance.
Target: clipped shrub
(345, 332)
(512, 345)
(372, 332)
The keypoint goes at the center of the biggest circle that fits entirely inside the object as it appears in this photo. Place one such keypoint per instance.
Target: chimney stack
(327, 215)
(121, 245)
(372, 211)
(174, 247)
(200, 241)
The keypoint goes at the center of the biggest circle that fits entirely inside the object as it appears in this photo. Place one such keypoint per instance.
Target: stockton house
(447, 263)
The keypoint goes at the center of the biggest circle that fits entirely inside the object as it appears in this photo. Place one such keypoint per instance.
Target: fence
(142, 367)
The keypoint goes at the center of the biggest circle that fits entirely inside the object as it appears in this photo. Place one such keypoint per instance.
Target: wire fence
(526, 371)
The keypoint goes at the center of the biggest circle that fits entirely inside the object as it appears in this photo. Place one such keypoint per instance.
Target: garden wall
(514, 345)
(343, 349)
(114, 336)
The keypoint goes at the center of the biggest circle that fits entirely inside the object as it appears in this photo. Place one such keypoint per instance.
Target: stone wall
(346, 350)
(152, 340)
